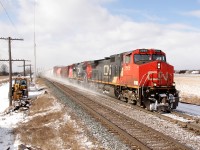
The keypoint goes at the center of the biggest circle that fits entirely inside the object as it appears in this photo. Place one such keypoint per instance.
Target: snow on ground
(4, 102)
(189, 109)
(8, 121)
(188, 84)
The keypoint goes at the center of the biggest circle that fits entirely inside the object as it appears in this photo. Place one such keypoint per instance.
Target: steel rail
(193, 126)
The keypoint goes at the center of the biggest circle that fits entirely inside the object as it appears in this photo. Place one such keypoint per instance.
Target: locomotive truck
(142, 77)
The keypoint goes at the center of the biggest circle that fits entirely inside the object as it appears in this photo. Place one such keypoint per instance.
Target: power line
(9, 17)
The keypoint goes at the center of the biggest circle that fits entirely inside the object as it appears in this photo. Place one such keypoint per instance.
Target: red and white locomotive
(141, 76)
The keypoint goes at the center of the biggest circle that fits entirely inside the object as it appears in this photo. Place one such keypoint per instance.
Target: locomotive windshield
(158, 57)
(143, 58)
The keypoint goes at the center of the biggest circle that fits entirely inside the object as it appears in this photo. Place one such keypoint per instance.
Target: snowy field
(189, 87)
(188, 84)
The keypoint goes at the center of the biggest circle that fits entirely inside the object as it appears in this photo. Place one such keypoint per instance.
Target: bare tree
(4, 70)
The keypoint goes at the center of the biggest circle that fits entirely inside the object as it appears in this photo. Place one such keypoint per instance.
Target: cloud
(74, 31)
(194, 13)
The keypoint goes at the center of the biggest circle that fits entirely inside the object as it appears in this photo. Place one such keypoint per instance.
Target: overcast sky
(70, 31)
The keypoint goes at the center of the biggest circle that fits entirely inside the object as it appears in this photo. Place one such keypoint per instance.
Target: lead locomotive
(142, 77)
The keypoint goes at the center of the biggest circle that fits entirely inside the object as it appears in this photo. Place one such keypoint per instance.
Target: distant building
(195, 72)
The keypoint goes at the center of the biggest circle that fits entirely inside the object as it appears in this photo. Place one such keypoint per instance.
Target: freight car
(142, 77)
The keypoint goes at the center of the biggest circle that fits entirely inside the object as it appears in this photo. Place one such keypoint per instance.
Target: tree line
(4, 70)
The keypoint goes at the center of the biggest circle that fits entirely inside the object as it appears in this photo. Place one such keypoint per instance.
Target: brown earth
(52, 126)
(4, 77)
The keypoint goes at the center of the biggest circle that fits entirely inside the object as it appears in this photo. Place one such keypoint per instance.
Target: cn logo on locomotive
(160, 75)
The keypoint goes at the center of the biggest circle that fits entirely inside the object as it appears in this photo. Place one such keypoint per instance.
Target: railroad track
(186, 121)
(132, 132)
(192, 124)
(195, 119)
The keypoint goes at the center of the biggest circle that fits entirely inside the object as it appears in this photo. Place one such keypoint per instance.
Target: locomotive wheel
(147, 104)
(117, 92)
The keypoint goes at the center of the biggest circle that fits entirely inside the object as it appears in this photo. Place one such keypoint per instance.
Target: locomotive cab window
(159, 57)
(127, 59)
(142, 58)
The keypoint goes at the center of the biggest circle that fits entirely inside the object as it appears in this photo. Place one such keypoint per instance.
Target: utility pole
(24, 69)
(30, 70)
(34, 45)
(31, 73)
(10, 66)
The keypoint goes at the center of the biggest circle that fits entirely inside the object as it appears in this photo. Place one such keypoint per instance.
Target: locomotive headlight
(154, 84)
(158, 65)
(174, 84)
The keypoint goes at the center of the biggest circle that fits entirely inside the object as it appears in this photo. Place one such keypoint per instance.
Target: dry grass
(48, 130)
(37, 136)
(190, 99)
(42, 104)
(69, 130)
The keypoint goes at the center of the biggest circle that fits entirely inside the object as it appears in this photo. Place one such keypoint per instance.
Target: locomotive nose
(164, 74)
(160, 75)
